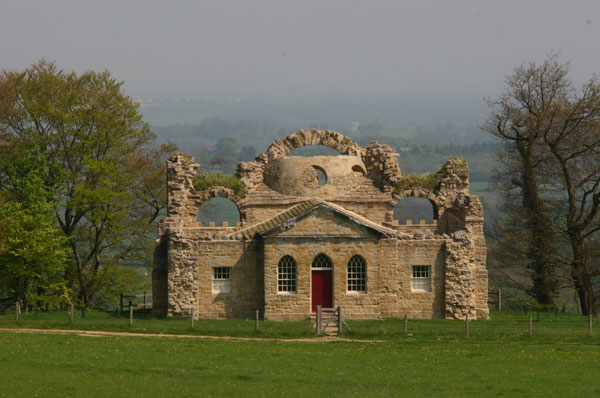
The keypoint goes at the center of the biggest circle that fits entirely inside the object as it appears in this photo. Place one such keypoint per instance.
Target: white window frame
(322, 262)
(221, 280)
(287, 281)
(421, 278)
(356, 279)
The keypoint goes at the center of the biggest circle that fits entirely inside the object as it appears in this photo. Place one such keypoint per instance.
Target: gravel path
(96, 333)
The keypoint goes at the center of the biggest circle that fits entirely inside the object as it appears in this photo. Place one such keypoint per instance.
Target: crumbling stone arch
(328, 138)
(380, 160)
(217, 192)
(420, 193)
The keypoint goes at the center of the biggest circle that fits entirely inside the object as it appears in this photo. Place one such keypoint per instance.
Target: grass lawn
(69, 365)
(499, 358)
(501, 327)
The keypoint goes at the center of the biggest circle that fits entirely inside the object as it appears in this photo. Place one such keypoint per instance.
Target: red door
(321, 289)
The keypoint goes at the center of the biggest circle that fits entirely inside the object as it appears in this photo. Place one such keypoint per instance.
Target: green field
(499, 358)
(69, 365)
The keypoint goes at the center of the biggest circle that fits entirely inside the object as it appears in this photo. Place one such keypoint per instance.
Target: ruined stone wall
(160, 274)
(397, 296)
(466, 273)
(297, 176)
(367, 182)
(379, 160)
(182, 250)
(183, 199)
(245, 260)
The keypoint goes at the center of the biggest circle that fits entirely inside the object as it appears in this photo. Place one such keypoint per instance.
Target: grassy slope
(61, 365)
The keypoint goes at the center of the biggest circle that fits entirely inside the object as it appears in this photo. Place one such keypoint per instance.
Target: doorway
(322, 282)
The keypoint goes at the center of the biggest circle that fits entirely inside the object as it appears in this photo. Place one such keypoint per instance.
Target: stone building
(303, 242)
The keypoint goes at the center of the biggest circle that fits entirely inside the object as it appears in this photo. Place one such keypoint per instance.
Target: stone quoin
(302, 243)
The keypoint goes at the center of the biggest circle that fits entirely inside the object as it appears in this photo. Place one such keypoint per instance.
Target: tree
(106, 175)
(574, 147)
(33, 251)
(519, 118)
(551, 159)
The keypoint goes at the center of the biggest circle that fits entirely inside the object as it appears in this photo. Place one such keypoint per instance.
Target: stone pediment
(317, 217)
(321, 221)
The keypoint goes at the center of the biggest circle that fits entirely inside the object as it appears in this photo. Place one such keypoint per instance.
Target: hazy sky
(296, 49)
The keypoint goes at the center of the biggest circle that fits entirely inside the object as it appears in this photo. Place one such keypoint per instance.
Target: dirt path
(96, 333)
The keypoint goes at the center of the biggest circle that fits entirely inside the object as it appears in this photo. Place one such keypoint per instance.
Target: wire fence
(134, 312)
(501, 326)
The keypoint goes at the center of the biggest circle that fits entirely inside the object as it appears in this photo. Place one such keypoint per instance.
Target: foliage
(207, 180)
(427, 181)
(101, 165)
(33, 251)
(112, 280)
(550, 177)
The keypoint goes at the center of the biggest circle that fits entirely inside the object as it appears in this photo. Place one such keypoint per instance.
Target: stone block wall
(297, 306)
(397, 296)
(245, 260)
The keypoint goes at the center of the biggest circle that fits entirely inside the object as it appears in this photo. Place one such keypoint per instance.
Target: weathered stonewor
(289, 218)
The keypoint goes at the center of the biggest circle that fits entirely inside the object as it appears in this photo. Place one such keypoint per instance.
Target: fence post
(318, 320)
(405, 323)
(17, 310)
(339, 319)
(83, 312)
(121, 302)
(256, 321)
(530, 324)
(499, 299)
(71, 313)
(145, 300)
(191, 316)
(591, 324)
(467, 324)
(130, 314)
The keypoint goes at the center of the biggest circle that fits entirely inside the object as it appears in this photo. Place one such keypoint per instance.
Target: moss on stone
(207, 180)
(459, 163)
(427, 181)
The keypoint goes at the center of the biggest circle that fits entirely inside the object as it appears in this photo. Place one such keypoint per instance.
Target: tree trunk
(541, 249)
(579, 272)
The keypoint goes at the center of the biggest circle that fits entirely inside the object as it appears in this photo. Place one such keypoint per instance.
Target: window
(286, 275)
(322, 262)
(357, 274)
(421, 278)
(221, 282)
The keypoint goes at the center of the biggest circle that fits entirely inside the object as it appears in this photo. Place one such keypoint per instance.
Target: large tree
(551, 161)
(574, 147)
(101, 163)
(519, 118)
(33, 251)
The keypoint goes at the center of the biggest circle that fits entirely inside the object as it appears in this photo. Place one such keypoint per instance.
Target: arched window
(218, 210)
(357, 274)
(322, 262)
(286, 275)
(414, 209)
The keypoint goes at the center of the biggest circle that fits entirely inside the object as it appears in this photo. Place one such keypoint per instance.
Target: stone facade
(285, 211)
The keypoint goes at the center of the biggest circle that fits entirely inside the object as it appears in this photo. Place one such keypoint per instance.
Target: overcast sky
(331, 50)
